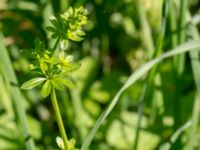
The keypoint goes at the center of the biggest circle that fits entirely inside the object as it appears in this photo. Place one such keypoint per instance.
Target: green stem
(59, 119)
(55, 47)
(56, 44)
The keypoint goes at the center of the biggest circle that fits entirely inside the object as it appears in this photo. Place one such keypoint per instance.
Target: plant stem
(55, 47)
(56, 44)
(59, 119)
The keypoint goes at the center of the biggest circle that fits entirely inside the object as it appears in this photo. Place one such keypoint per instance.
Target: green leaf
(39, 45)
(51, 29)
(80, 32)
(57, 85)
(74, 37)
(67, 82)
(32, 83)
(64, 44)
(46, 89)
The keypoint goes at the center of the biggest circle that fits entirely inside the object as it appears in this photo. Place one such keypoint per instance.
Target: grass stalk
(194, 126)
(194, 57)
(59, 118)
(182, 35)
(131, 80)
(175, 136)
(147, 91)
(16, 94)
(177, 66)
(140, 114)
(146, 30)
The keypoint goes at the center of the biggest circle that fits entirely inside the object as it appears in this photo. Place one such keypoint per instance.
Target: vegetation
(99, 75)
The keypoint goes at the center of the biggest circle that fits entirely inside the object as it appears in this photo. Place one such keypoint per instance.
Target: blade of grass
(148, 42)
(173, 24)
(194, 57)
(146, 30)
(140, 115)
(147, 91)
(195, 120)
(174, 137)
(178, 62)
(131, 80)
(16, 94)
(182, 35)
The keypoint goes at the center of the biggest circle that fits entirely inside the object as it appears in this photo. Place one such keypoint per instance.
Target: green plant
(53, 65)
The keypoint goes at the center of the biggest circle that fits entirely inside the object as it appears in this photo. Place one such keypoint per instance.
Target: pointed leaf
(74, 37)
(80, 32)
(46, 89)
(67, 82)
(64, 44)
(57, 85)
(39, 45)
(52, 29)
(32, 83)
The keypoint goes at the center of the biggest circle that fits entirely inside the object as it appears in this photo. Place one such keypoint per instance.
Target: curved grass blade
(132, 79)
(16, 94)
(174, 137)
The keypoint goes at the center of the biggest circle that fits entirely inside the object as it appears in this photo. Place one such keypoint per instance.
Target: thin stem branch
(55, 47)
(58, 118)
(56, 44)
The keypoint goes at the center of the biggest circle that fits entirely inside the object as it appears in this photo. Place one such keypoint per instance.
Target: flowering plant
(53, 66)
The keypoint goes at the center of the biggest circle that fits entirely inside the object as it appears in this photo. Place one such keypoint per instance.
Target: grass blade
(132, 79)
(195, 120)
(194, 57)
(16, 94)
(174, 137)
(147, 89)
(146, 30)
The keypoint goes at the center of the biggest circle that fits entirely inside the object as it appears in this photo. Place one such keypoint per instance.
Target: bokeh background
(121, 36)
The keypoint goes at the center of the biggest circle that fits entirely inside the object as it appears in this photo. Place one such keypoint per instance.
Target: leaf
(57, 85)
(46, 89)
(39, 45)
(80, 32)
(72, 67)
(32, 83)
(52, 29)
(64, 44)
(67, 82)
(28, 53)
(74, 37)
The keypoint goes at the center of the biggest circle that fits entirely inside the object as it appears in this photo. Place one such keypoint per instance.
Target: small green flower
(54, 71)
(69, 25)
(54, 67)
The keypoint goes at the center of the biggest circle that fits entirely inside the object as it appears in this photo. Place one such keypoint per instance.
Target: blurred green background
(121, 36)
